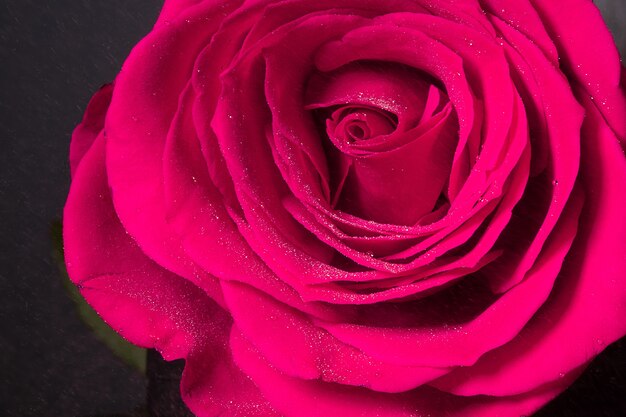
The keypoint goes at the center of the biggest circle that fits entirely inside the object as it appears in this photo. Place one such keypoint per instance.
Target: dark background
(53, 56)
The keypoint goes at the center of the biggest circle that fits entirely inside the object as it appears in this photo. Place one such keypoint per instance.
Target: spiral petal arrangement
(358, 207)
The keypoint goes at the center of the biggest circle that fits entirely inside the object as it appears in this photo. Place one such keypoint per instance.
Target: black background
(53, 56)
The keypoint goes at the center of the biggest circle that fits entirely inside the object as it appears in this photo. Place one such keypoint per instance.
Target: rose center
(352, 124)
(389, 134)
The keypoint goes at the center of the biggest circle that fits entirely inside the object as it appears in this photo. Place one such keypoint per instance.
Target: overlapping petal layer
(393, 208)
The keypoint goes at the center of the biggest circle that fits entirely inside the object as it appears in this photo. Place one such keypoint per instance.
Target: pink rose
(359, 207)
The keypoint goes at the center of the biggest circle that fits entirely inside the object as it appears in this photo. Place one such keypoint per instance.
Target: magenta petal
(401, 185)
(118, 280)
(137, 124)
(306, 351)
(359, 207)
(464, 344)
(396, 90)
(148, 305)
(212, 384)
(587, 304)
(90, 127)
(294, 397)
(522, 15)
(582, 38)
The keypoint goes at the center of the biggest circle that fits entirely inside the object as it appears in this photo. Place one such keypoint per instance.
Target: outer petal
(582, 37)
(143, 106)
(463, 344)
(308, 352)
(148, 305)
(212, 385)
(588, 304)
(297, 398)
(91, 126)
(118, 279)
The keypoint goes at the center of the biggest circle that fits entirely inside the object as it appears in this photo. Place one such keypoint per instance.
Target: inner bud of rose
(389, 132)
(352, 124)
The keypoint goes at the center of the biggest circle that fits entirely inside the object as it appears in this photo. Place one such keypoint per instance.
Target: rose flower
(359, 207)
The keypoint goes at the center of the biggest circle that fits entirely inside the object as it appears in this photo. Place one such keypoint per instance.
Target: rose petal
(118, 280)
(394, 89)
(306, 351)
(90, 127)
(137, 124)
(585, 311)
(300, 398)
(464, 344)
(582, 38)
(522, 15)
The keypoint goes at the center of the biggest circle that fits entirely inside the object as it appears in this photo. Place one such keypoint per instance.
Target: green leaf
(129, 353)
